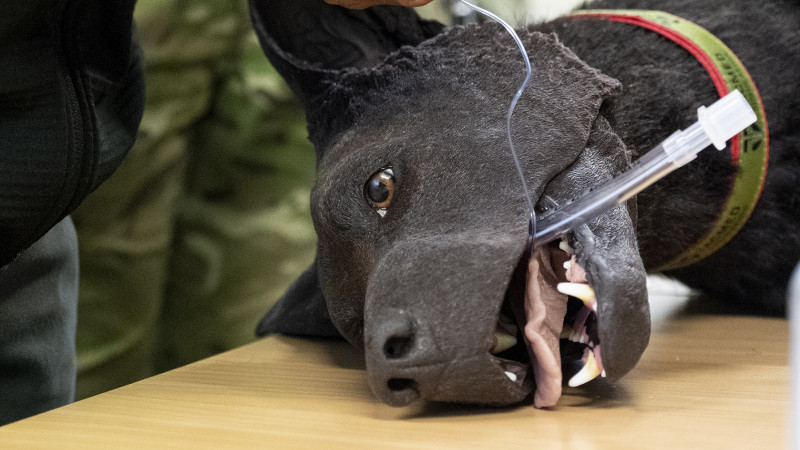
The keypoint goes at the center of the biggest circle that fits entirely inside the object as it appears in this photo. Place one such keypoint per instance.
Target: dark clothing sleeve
(71, 98)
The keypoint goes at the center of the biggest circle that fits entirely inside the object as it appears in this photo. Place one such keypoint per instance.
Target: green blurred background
(207, 221)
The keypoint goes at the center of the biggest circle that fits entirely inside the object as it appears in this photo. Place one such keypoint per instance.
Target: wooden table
(704, 382)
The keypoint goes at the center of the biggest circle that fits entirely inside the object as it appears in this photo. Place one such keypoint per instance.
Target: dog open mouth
(549, 313)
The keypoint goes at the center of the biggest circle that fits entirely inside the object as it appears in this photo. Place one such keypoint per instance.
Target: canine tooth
(598, 358)
(589, 372)
(503, 341)
(584, 292)
(563, 245)
(567, 264)
(511, 376)
(566, 332)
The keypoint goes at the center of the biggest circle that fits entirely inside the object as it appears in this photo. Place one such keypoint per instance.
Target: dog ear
(301, 310)
(312, 44)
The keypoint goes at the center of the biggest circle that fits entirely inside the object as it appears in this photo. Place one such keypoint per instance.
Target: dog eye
(380, 188)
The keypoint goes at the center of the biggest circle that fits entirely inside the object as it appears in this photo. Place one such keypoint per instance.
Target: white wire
(528, 74)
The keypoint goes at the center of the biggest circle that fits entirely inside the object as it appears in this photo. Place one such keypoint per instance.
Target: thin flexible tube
(528, 75)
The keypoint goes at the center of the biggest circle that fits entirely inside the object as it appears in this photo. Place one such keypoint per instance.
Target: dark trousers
(38, 309)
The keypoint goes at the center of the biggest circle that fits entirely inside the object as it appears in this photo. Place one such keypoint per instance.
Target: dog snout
(394, 351)
(393, 339)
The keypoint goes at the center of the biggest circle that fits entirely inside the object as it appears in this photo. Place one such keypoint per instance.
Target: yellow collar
(749, 149)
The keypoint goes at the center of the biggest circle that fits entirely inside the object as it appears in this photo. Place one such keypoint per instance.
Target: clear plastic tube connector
(715, 124)
(725, 118)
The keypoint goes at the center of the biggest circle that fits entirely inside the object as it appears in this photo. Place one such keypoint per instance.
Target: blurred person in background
(206, 222)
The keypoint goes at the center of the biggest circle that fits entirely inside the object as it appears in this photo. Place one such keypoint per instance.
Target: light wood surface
(704, 382)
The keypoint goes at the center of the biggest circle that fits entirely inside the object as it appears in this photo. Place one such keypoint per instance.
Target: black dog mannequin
(420, 283)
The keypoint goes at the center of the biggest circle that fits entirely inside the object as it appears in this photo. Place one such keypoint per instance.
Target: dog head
(420, 214)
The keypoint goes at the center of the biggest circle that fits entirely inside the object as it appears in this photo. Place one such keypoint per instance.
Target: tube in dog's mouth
(554, 314)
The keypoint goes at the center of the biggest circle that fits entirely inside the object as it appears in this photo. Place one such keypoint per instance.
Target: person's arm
(361, 4)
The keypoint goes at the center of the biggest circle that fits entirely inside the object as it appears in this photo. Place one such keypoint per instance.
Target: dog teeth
(589, 372)
(581, 291)
(503, 341)
(511, 376)
(577, 335)
(574, 335)
(567, 264)
(563, 245)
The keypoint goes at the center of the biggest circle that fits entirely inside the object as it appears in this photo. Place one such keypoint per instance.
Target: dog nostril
(401, 384)
(396, 347)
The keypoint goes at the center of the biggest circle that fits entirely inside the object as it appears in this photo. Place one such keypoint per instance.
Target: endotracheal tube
(716, 124)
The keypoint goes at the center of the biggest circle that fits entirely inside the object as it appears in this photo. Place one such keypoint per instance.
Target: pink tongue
(545, 309)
